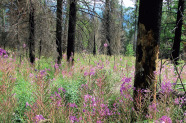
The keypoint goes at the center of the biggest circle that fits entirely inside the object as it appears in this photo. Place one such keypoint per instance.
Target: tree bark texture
(59, 30)
(178, 32)
(147, 51)
(32, 33)
(71, 30)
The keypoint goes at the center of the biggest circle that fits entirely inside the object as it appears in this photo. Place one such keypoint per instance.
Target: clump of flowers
(165, 119)
(125, 87)
(73, 119)
(38, 118)
(3, 53)
(166, 87)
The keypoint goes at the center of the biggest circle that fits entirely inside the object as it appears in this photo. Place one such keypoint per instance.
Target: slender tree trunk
(135, 26)
(3, 28)
(65, 32)
(32, 33)
(71, 30)
(108, 35)
(94, 49)
(178, 32)
(59, 30)
(147, 51)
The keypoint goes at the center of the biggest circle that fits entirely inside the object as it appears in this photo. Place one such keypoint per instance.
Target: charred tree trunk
(71, 30)
(59, 30)
(107, 25)
(94, 49)
(178, 32)
(147, 51)
(32, 33)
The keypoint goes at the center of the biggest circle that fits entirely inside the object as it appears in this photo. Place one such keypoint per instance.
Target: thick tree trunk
(107, 25)
(147, 50)
(71, 30)
(178, 32)
(59, 30)
(32, 34)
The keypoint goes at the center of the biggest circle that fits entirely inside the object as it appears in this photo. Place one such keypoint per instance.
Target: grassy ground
(96, 89)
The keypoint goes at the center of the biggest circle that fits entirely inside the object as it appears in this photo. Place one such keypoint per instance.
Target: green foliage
(129, 50)
(24, 94)
(71, 86)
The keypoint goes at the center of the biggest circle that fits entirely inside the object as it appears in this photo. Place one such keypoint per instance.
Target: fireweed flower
(92, 72)
(73, 119)
(57, 95)
(24, 45)
(27, 104)
(105, 45)
(166, 87)
(42, 72)
(176, 101)
(125, 86)
(6, 56)
(73, 105)
(153, 107)
(61, 89)
(86, 73)
(37, 118)
(86, 97)
(165, 119)
(56, 66)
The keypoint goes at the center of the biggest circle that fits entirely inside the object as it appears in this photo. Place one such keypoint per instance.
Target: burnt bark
(71, 30)
(147, 51)
(178, 32)
(59, 30)
(32, 33)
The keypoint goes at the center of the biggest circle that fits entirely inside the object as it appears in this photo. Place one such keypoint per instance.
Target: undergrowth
(96, 89)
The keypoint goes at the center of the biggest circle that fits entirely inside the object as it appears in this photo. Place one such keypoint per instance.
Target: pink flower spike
(105, 45)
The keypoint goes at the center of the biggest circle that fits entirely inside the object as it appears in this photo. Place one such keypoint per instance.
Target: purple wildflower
(27, 104)
(37, 118)
(73, 119)
(92, 72)
(166, 87)
(86, 73)
(86, 97)
(125, 85)
(61, 89)
(176, 101)
(105, 45)
(56, 66)
(165, 119)
(153, 107)
(73, 105)
(99, 121)
(24, 45)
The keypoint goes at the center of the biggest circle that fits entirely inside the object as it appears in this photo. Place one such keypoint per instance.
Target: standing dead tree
(147, 51)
